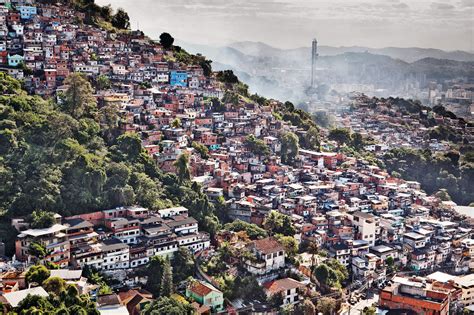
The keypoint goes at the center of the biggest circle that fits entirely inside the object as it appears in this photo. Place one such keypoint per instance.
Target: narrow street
(359, 306)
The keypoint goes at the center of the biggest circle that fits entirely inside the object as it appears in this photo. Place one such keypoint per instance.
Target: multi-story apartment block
(367, 226)
(54, 239)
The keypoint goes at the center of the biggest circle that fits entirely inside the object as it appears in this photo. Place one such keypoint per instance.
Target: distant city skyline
(447, 25)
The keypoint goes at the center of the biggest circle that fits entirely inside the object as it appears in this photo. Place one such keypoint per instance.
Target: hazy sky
(444, 24)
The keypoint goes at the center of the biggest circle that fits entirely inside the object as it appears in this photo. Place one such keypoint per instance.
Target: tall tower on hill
(314, 58)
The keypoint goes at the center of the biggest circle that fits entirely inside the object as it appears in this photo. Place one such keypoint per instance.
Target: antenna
(314, 58)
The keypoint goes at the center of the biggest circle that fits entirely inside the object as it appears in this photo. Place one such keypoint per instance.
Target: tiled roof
(200, 288)
(268, 245)
(281, 285)
(109, 299)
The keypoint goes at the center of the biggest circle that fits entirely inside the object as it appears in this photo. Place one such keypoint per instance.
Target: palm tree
(176, 123)
(182, 168)
(313, 250)
(271, 222)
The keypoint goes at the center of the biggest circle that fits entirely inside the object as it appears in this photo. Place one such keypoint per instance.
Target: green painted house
(205, 294)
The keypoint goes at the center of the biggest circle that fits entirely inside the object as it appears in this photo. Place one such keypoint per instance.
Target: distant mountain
(285, 74)
(406, 54)
(256, 48)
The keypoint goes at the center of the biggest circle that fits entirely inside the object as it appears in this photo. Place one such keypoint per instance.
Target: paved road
(357, 308)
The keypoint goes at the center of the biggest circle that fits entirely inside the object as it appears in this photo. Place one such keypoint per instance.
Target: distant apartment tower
(314, 58)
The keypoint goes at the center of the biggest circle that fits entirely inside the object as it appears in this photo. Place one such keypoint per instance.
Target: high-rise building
(314, 58)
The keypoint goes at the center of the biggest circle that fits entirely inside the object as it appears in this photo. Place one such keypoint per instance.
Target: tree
(289, 243)
(257, 146)
(222, 210)
(147, 191)
(68, 301)
(106, 12)
(41, 219)
(96, 278)
(105, 289)
(331, 273)
(54, 285)
(357, 140)
(321, 272)
(182, 168)
(369, 310)
(201, 149)
(248, 288)
(276, 300)
(103, 82)
(289, 148)
(37, 250)
(253, 231)
(78, 100)
(310, 140)
(340, 135)
(288, 309)
(154, 271)
(279, 223)
(443, 195)
(176, 123)
(8, 141)
(121, 20)
(326, 305)
(306, 308)
(217, 105)
(34, 304)
(206, 66)
(323, 119)
(166, 40)
(227, 76)
(183, 265)
(230, 98)
(166, 286)
(168, 306)
(313, 249)
(37, 274)
(129, 147)
(390, 262)
(109, 119)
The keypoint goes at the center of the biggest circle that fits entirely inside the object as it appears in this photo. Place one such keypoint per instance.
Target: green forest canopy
(71, 158)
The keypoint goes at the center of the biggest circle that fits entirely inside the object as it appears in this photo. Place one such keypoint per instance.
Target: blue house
(15, 60)
(27, 12)
(214, 147)
(179, 78)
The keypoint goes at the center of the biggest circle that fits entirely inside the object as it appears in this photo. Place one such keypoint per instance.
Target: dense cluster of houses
(116, 239)
(390, 128)
(42, 44)
(358, 213)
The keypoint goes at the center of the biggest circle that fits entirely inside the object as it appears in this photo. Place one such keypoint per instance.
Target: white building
(367, 226)
(467, 286)
(289, 289)
(269, 254)
(415, 240)
(115, 255)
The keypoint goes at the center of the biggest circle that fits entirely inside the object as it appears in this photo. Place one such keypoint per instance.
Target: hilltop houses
(361, 218)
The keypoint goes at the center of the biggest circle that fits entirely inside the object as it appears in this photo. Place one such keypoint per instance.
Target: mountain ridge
(409, 54)
(278, 73)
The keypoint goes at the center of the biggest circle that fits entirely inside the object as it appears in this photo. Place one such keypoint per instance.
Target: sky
(443, 24)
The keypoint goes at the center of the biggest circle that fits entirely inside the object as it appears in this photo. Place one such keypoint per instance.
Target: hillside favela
(236, 157)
